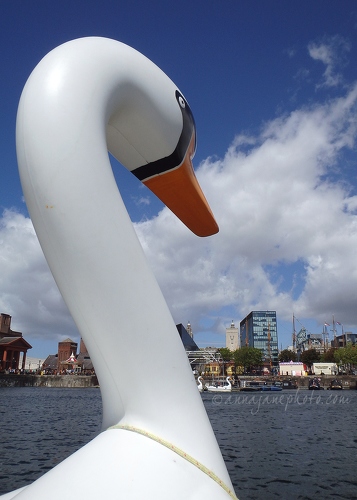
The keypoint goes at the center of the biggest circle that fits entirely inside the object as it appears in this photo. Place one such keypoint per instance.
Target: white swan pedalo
(84, 98)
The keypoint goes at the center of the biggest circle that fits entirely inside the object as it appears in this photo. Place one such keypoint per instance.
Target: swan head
(173, 181)
(101, 95)
(168, 172)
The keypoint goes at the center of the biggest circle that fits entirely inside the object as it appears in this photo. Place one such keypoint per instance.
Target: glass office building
(259, 330)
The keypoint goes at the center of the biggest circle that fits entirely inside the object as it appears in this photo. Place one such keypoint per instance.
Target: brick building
(66, 349)
(12, 344)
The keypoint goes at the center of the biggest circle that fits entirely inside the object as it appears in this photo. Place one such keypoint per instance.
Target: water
(291, 444)
(42, 426)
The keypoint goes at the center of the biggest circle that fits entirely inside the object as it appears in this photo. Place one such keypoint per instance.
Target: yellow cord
(180, 452)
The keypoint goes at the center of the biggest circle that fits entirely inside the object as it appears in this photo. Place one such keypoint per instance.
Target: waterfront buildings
(68, 359)
(259, 330)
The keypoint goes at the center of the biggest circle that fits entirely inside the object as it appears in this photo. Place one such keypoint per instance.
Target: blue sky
(272, 85)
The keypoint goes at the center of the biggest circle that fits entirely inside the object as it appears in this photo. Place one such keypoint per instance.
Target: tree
(226, 353)
(309, 357)
(286, 355)
(346, 355)
(329, 355)
(248, 357)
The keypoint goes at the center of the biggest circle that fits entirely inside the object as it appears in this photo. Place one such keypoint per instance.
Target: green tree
(309, 357)
(226, 353)
(248, 357)
(329, 355)
(346, 355)
(286, 355)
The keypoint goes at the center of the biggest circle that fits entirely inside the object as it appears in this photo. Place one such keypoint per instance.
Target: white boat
(85, 97)
(220, 388)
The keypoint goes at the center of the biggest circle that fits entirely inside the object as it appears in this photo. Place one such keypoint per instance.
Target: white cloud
(28, 291)
(331, 52)
(276, 204)
(143, 200)
(287, 240)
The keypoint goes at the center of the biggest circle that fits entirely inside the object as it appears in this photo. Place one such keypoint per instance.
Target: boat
(85, 97)
(250, 386)
(289, 384)
(314, 384)
(272, 387)
(220, 388)
(285, 384)
(200, 386)
(335, 385)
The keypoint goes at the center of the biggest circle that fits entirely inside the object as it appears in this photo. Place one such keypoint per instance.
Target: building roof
(15, 341)
(51, 362)
(290, 363)
(85, 361)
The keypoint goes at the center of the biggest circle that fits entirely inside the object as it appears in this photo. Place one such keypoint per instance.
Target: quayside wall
(79, 381)
(62, 381)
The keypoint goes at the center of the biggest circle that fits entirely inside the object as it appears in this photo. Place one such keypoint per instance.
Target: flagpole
(334, 329)
(326, 333)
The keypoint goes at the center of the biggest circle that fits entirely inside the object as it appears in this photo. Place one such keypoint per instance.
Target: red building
(12, 344)
(65, 349)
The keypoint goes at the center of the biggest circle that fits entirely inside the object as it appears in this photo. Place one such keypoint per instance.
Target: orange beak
(179, 190)
(173, 179)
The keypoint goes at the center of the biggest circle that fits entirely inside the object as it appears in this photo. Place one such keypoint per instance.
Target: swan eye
(181, 102)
